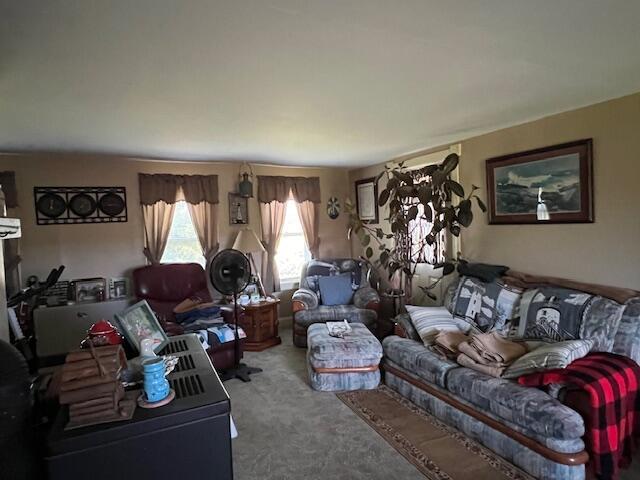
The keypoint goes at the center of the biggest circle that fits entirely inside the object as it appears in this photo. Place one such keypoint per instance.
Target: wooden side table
(260, 323)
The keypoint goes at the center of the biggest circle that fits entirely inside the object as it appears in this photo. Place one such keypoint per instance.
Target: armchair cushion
(307, 299)
(336, 289)
(366, 297)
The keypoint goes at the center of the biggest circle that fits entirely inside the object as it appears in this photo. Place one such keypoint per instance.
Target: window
(292, 251)
(421, 251)
(183, 245)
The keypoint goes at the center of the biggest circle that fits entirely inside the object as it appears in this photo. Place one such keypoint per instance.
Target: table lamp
(247, 242)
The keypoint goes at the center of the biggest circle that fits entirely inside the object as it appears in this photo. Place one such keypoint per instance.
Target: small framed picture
(89, 290)
(238, 209)
(139, 322)
(118, 287)
(367, 200)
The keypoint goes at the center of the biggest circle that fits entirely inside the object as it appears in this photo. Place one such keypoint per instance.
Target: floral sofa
(529, 427)
(307, 303)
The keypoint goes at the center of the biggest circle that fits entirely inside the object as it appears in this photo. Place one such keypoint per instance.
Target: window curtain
(309, 218)
(273, 193)
(158, 195)
(272, 219)
(204, 216)
(11, 248)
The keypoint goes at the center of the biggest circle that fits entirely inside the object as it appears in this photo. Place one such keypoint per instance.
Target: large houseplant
(429, 193)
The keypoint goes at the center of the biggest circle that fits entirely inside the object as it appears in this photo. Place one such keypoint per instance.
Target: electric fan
(229, 273)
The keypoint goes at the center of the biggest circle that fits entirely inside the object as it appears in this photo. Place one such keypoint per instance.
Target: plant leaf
(481, 204)
(384, 196)
(412, 213)
(448, 268)
(450, 163)
(369, 252)
(465, 217)
(456, 188)
(366, 240)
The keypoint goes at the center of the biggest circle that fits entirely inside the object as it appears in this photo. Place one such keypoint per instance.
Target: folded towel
(449, 340)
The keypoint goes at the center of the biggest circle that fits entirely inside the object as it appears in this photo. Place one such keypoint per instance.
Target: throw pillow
(336, 289)
(551, 313)
(429, 321)
(488, 305)
(549, 357)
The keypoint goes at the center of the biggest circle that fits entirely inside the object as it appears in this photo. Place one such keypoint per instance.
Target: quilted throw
(611, 381)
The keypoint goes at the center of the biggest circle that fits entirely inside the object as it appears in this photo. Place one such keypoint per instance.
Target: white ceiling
(316, 82)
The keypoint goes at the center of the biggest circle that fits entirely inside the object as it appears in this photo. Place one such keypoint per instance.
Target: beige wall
(606, 251)
(114, 249)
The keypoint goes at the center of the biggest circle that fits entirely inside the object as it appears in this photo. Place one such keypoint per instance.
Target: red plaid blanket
(612, 383)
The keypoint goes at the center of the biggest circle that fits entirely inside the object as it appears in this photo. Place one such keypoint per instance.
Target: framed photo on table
(139, 322)
(367, 200)
(547, 185)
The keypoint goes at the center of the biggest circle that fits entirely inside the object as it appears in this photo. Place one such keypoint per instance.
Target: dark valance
(8, 182)
(172, 188)
(279, 188)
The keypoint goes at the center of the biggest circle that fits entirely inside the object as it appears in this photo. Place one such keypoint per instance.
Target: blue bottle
(156, 386)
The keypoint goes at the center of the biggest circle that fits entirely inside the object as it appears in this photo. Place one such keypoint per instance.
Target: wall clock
(333, 208)
(82, 205)
(72, 205)
(51, 205)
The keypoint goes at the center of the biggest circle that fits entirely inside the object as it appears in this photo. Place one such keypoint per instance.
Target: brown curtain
(156, 220)
(309, 218)
(172, 188)
(158, 195)
(272, 218)
(276, 188)
(204, 216)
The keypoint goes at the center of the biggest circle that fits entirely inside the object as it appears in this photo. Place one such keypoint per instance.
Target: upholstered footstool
(338, 364)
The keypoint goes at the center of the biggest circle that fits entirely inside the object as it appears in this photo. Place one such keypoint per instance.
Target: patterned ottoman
(338, 364)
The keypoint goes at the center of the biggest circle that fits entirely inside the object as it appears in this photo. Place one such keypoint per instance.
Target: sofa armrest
(304, 299)
(367, 297)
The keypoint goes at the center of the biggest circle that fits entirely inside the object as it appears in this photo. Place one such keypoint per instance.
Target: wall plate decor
(367, 200)
(238, 209)
(71, 205)
(333, 208)
(547, 185)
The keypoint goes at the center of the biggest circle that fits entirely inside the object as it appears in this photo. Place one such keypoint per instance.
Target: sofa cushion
(417, 359)
(549, 357)
(335, 313)
(527, 407)
(627, 339)
(429, 321)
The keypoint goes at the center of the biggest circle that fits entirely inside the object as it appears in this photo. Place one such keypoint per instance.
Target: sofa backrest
(615, 327)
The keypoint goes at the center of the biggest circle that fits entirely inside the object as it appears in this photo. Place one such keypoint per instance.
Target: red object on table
(613, 418)
(102, 333)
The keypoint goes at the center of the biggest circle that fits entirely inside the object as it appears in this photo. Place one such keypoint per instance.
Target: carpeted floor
(288, 431)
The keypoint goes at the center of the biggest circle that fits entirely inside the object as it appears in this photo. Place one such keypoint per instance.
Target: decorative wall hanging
(333, 208)
(366, 200)
(238, 209)
(245, 187)
(71, 205)
(547, 185)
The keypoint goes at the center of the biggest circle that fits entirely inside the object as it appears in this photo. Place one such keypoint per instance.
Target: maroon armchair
(166, 285)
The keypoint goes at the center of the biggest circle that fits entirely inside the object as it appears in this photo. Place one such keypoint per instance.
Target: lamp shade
(247, 241)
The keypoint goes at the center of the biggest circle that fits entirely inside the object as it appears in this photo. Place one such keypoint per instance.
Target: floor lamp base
(241, 371)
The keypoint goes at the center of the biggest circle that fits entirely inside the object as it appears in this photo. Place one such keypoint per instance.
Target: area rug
(438, 451)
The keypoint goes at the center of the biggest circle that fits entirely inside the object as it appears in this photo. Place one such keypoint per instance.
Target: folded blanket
(449, 340)
(612, 382)
(492, 370)
(493, 348)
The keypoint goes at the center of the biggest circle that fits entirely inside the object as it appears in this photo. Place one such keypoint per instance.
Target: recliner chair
(307, 303)
(166, 285)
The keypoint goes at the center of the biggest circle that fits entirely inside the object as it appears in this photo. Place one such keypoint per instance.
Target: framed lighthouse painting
(547, 185)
